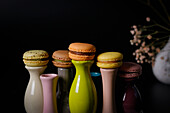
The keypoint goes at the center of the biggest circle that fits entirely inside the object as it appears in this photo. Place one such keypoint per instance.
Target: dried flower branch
(150, 39)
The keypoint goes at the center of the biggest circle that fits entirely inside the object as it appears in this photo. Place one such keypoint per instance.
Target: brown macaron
(130, 70)
(82, 51)
(61, 59)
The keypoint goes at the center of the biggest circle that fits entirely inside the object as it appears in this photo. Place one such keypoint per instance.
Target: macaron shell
(130, 70)
(82, 47)
(61, 55)
(81, 57)
(131, 67)
(63, 64)
(110, 56)
(109, 65)
(35, 63)
(35, 54)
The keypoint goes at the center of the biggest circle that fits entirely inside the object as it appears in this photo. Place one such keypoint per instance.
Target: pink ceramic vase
(49, 84)
(108, 79)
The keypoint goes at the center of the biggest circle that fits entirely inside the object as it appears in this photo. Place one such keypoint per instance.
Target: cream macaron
(35, 58)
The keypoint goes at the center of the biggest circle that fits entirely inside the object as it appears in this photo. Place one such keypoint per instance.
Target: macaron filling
(82, 53)
(123, 72)
(109, 61)
(43, 59)
(56, 60)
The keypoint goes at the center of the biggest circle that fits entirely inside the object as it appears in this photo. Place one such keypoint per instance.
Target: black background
(54, 24)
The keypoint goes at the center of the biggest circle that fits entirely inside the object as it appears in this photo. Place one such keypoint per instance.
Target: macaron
(35, 58)
(61, 59)
(82, 51)
(109, 60)
(130, 70)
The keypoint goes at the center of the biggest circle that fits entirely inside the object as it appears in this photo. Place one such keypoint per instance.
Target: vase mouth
(95, 74)
(39, 67)
(48, 76)
(107, 69)
(81, 62)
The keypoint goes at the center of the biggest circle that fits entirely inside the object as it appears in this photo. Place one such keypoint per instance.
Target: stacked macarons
(130, 70)
(61, 59)
(35, 58)
(109, 60)
(82, 51)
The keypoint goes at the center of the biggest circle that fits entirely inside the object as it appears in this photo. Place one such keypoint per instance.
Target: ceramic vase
(131, 98)
(34, 95)
(65, 80)
(108, 79)
(49, 83)
(82, 96)
(161, 67)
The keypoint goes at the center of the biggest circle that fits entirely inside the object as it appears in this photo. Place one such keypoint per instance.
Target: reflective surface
(82, 96)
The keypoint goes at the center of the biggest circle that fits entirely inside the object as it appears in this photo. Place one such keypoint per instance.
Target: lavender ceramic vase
(49, 83)
(108, 79)
(33, 100)
(161, 67)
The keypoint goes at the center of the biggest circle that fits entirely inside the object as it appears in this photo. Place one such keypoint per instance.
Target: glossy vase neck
(49, 83)
(34, 95)
(108, 79)
(35, 71)
(66, 77)
(83, 66)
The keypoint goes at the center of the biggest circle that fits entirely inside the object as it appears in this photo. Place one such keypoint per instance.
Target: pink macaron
(130, 70)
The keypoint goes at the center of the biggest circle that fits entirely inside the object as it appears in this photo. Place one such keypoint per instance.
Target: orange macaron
(82, 51)
(61, 59)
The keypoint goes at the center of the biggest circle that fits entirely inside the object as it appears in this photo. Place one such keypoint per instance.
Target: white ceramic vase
(161, 68)
(34, 93)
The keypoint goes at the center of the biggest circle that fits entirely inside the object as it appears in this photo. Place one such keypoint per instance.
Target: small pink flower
(143, 44)
(139, 41)
(139, 32)
(151, 54)
(132, 32)
(148, 19)
(158, 50)
(134, 26)
(137, 51)
(153, 47)
(149, 37)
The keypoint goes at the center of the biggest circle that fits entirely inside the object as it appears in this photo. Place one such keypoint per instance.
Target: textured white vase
(161, 68)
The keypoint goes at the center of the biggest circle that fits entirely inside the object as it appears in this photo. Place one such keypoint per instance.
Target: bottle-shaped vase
(34, 94)
(65, 80)
(49, 84)
(82, 96)
(108, 79)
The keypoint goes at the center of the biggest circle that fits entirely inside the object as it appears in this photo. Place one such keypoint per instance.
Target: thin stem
(156, 24)
(157, 39)
(164, 8)
(163, 27)
(157, 12)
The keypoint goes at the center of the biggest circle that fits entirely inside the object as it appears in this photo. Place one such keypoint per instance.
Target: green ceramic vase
(83, 96)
